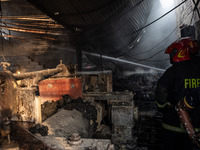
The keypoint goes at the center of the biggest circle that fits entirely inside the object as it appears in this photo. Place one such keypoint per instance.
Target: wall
(31, 40)
(34, 55)
(185, 15)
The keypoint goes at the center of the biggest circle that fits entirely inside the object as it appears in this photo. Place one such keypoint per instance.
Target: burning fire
(18, 72)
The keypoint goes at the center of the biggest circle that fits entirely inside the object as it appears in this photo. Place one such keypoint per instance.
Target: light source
(166, 4)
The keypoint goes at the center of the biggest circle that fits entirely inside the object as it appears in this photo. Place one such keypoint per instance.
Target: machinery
(17, 92)
(22, 96)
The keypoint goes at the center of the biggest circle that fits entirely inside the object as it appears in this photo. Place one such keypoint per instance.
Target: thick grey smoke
(156, 34)
(139, 71)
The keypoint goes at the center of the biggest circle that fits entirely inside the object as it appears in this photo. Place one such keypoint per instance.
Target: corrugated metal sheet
(79, 13)
(109, 27)
(118, 33)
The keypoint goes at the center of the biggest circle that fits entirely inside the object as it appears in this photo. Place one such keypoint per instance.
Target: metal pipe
(37, 31)
(37, 73)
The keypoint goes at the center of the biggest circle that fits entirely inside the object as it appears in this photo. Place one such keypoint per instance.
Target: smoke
(14, 47)
(139, 71)
(157, 37)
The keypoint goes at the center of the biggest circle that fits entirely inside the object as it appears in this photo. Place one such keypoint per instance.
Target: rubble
(147, 127)
(65, 116)
(66, 122)
(40, 129)
(121, 117)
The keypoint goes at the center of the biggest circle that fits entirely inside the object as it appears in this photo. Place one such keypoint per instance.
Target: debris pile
(40, 129)
(66, 116)
(148, 126)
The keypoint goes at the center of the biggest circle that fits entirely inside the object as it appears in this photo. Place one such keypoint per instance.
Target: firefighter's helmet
(182, 49)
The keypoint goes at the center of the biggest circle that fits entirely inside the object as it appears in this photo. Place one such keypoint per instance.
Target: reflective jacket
(174, 84)
(192, 100)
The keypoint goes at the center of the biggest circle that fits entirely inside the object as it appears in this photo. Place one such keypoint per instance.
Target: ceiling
(101, 25)
(106, 27)
(19, 17)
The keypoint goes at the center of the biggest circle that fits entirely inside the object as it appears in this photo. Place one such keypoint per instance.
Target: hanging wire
(146, 59)
(192, 18)
(124, 54)
(156, 19)
(196, 7)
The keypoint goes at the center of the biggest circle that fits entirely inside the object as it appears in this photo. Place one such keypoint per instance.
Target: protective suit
(190, 102)
(174, 84)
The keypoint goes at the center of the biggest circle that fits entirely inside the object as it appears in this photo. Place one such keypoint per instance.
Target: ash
(67, 116)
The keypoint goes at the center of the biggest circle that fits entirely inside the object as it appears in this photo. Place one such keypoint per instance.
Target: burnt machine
(17, 94)
(20, 102)
(19, 98)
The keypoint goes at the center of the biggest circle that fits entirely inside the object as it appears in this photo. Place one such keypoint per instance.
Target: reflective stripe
(172, 128)
(163, 105)
(197, 129)
(176, 129)
(186, 103)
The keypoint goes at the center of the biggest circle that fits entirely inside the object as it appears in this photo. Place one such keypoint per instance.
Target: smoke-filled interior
(82, 73)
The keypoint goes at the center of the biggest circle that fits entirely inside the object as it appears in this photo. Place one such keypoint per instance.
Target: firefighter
(184, 106)
(175, 83)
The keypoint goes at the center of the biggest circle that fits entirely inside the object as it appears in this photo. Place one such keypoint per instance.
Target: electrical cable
(117, 29)
(192, 18)
(140, 2)
(23, 38)
(195, 8)
(147, 59)
(157, 19)
(160, 42)
(157, 45)
(35, 25)
(151, 22)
